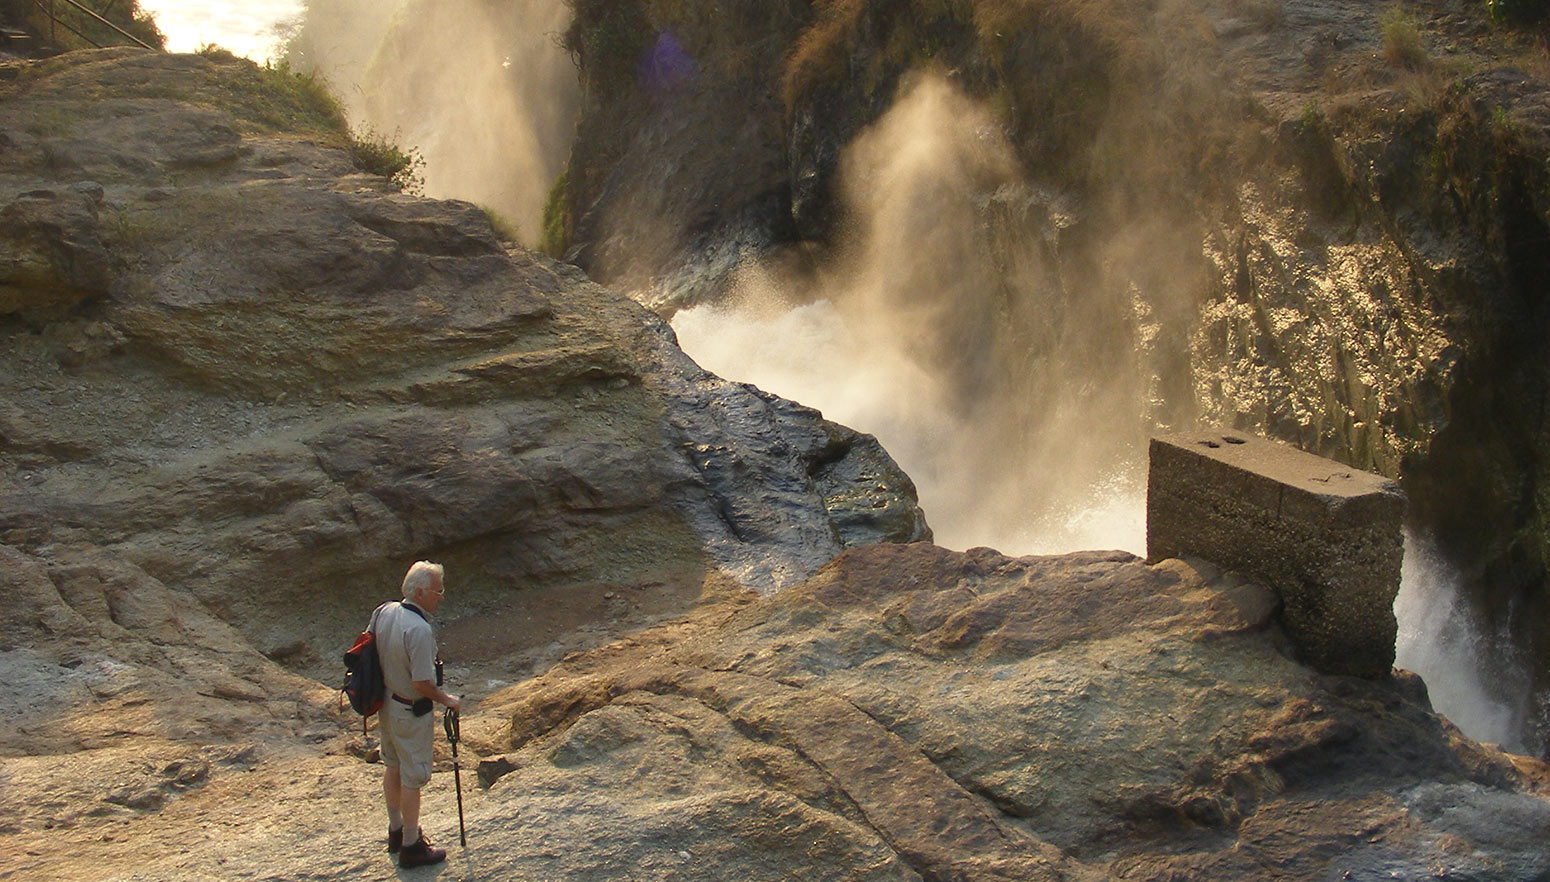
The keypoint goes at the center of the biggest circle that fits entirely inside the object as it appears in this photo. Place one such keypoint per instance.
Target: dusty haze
(480, 88)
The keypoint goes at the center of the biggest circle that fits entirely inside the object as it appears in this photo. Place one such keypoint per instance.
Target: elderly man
(408, 652)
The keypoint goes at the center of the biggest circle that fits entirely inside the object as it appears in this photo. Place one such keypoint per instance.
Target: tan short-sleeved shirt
(407, 647)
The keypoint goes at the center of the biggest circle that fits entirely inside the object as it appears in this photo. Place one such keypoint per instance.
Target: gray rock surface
(262, 376)
(973, 716)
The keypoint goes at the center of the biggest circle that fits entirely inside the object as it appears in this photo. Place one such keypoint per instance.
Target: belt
(400, 699)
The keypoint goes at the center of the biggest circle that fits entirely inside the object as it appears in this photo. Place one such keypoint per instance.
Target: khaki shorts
(406, 742)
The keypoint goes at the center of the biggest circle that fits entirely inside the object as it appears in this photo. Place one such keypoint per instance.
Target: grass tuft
(1402, 46)
(504, 228)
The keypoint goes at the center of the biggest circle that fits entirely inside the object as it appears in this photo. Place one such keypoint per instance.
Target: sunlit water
(254, 29)
(1441, 639)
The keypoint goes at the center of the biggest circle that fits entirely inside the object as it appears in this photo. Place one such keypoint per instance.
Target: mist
(941, 325)
(1019, 405)
(481, 89)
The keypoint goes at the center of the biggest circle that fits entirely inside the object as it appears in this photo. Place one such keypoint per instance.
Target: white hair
(420, 577)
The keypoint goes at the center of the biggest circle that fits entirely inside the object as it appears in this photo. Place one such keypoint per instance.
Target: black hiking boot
(420, 853)
(395, 840)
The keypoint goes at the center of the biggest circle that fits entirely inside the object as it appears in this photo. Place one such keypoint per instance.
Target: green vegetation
(275, 99)
(503, 226)
(376, 155)
(269, 100)
(1310, 119)
(608, 38)
(555, 238)
(1402, 45)
(1518, 11)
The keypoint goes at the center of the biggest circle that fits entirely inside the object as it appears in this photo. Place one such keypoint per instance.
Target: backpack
(363, 684)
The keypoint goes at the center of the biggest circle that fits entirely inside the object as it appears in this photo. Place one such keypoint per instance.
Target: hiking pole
(449, 721)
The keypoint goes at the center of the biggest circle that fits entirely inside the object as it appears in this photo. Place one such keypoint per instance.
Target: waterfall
(965, 355)
(1442, 639)
(1014, 403)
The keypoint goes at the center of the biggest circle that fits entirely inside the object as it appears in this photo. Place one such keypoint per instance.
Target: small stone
(90, 189)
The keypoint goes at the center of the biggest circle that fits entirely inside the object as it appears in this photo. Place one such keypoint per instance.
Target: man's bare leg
(409, 806)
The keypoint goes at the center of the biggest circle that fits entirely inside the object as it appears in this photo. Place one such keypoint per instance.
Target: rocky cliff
(1316, 219)
(245, 383)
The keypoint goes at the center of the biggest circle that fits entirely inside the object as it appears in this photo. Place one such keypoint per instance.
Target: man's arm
(429, 689)
(422, 655)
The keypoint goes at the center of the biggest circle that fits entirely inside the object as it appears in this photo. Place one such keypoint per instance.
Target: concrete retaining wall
(1326, 537)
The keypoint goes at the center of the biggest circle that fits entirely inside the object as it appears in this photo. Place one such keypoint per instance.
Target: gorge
(1012, 240)
(702, 628)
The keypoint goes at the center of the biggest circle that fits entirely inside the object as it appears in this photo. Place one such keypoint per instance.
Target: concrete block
(1326, 537)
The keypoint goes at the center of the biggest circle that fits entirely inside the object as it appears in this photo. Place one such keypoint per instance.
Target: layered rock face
(244, 384)
(1253, 214)
(256, 373)
(915, 713)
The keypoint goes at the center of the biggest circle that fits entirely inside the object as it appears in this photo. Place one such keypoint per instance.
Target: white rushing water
(1442, 639)
(255, 29)
(864, 377)
(483, 92)
(918, 331)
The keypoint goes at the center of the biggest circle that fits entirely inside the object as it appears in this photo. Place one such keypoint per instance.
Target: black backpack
(363, 684)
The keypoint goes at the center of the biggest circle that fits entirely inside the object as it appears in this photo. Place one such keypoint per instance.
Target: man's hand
(429, 689)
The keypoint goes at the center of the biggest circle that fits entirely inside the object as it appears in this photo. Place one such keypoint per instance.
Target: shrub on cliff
(558, 224)
(1521, 11)
(1402, 45)
(375, 154)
